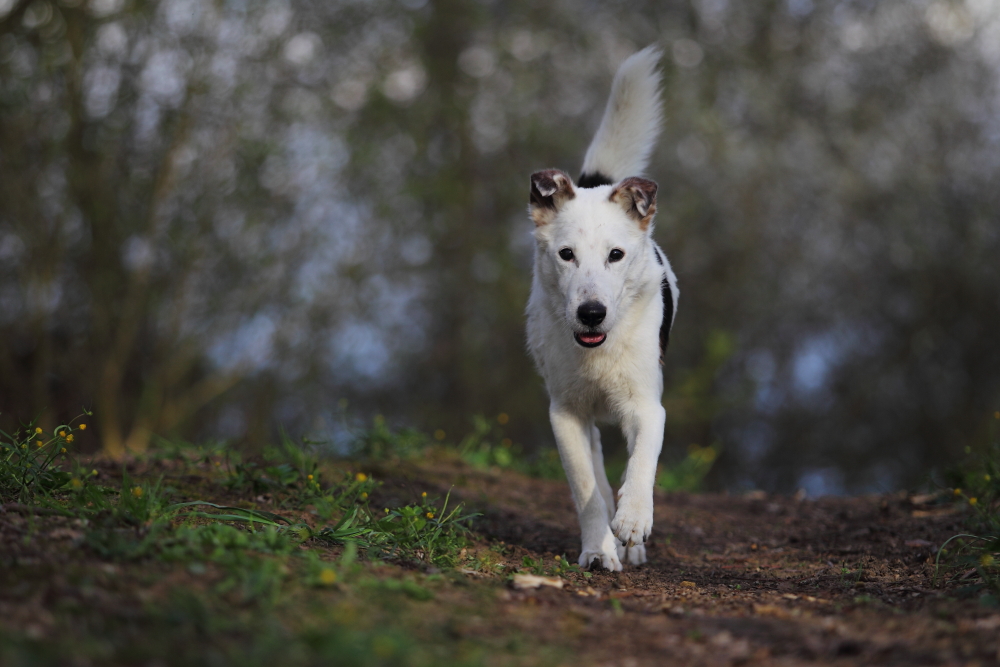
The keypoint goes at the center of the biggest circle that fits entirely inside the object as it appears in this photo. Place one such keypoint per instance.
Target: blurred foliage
(690, 472)
(217, 219)
(487, 446)
(380, 442)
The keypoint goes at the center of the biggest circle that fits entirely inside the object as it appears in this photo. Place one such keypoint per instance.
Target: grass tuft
(976, 485)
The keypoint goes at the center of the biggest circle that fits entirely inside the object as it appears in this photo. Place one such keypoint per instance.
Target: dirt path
(750, 580)
(737, 580)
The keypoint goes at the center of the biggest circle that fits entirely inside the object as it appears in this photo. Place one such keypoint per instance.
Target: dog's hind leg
(597, 454)
(573, 438)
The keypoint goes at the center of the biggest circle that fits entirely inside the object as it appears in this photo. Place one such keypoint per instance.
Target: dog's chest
(592, 382)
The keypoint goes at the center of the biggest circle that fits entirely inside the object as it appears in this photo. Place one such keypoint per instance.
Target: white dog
(603, 299)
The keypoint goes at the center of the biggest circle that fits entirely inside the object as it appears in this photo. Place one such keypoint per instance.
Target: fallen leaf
(524, 581)
(771, 610)
(944, 511)
(924, 498)
(918, 543)
(66, 534)
(988, 623)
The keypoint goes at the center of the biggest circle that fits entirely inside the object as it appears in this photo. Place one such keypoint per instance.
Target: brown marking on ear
(637, 196)
(550, 189)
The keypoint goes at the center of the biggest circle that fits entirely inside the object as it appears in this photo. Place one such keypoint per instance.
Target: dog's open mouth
(590, 339)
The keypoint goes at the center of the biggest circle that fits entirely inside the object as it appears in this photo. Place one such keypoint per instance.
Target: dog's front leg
(634, 519)
(573, 440)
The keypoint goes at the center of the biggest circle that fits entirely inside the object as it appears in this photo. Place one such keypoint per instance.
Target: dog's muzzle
(591, 314)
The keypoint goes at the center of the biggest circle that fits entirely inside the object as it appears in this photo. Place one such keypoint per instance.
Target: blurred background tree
(218, 219)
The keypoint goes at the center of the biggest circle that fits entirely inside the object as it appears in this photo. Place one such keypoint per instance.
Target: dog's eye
(616, 255)
(566, 254)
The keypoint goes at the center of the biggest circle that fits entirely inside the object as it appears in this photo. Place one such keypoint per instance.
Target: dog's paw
(635, 555)
(634, 519)
(608, 554)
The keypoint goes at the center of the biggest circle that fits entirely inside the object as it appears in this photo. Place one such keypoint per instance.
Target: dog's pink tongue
(591, 338)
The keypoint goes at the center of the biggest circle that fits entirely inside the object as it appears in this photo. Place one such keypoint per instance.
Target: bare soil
(755, 579)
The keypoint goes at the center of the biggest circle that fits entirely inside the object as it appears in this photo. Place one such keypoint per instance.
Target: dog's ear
(637, 196)
(550, 189)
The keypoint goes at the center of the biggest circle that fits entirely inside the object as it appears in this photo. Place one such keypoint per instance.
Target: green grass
(976, 484)
(251, 585)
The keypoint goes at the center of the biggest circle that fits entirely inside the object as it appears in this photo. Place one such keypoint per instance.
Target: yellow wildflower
(986, 560)
(430, 515)
(309, 477)
(423, 495)
(137, 491)
(973, 501)
(62, 434)
(364, 494)
(327, 576)
(76, 484)
(957, 492)
(69, 438)
(38, 429)
(558, 558)
(62, 451)
(83, 427)
(361, 477)
(39, 443)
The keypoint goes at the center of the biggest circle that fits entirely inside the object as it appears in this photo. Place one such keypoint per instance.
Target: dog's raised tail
(631, 123)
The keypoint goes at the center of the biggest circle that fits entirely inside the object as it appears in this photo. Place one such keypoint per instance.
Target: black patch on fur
(668, 314)
(593, 180)
(659, 259)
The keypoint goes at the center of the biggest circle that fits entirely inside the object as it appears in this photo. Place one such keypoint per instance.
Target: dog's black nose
(591, 313)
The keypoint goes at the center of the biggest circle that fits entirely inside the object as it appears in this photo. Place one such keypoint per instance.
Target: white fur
(632, 119)
(620, 380)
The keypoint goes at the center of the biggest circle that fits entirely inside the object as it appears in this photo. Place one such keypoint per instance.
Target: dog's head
(592, 247)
